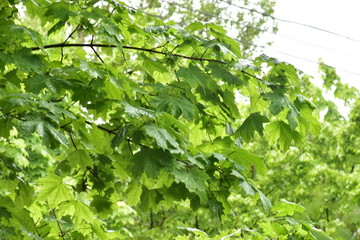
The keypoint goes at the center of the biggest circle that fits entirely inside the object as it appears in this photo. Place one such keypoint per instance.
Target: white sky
(332, 15)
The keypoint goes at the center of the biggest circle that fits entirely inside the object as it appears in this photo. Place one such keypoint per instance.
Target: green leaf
(134, 193)
(195, 26)
(253, 123)
(244, 184)
(53, 84)
(24, 195)
(148, 199)
(229, 129)
(194, 180)
(265, 201)
(219, 46)
(194, 76)
(280, 131)
(53, 108)
(26, 61)
(60, 24)
(153, 67)
(5, 127)
(54, 190)
(278, 101)
(292, 116)
(177, 106)
(286, 208)
(78, 209)
(112, 31)
(218, 32)
(49, 134)
(79, 158)
(91, 68)
(163, 138)
(138, 111)
(219, 72)
(318, 234)
(151, 161)
(58, 10)
(197, 232)
(35, 36)
(102, 205)
(245, 159)
(230, 103)
(121, 135)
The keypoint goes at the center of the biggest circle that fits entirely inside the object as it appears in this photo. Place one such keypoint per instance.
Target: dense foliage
(115, 124)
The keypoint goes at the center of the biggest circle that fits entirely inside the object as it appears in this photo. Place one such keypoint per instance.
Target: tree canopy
(116, 124)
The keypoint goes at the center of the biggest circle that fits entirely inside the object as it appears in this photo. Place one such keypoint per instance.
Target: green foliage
(111, 118)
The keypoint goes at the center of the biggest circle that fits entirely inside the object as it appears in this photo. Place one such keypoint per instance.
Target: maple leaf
(194, 180)
(53, 190)
(253, 123)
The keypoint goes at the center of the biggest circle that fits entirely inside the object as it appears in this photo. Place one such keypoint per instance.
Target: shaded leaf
(253, 123)
(163, 138)
(134, 193)
(151, 161)
(80, 157)
(280, 131)
(177, 106)
(194, 180)
(49, 134)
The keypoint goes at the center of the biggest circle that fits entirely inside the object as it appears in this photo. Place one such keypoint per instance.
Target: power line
(292, 22)
(293, 39)
(300, 58)
(262, 30)
(259, 29)
(318, 46)
(214, 16)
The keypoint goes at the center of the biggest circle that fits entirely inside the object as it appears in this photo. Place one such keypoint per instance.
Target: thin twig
(132, 154)
(66, 124)
(71, 138)
(62, 234)
(161, 46)
(93, 173)
(62, 55)
(114, 133)
(71, 34)
(141, 145)
(151, 220)
(102, 128)
(177, 77)
(62, 50)
(58, 100)
(92, 47)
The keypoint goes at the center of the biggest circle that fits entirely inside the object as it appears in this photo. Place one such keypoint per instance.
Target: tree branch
(102, 128)
(92, 45)
(113, 132)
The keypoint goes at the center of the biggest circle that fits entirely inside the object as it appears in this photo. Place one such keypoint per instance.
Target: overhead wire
(300, 58)
(214, 16)
(292, 22)
(263, 30)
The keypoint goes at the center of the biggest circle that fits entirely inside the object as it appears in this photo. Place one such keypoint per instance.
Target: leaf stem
(62, 234)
